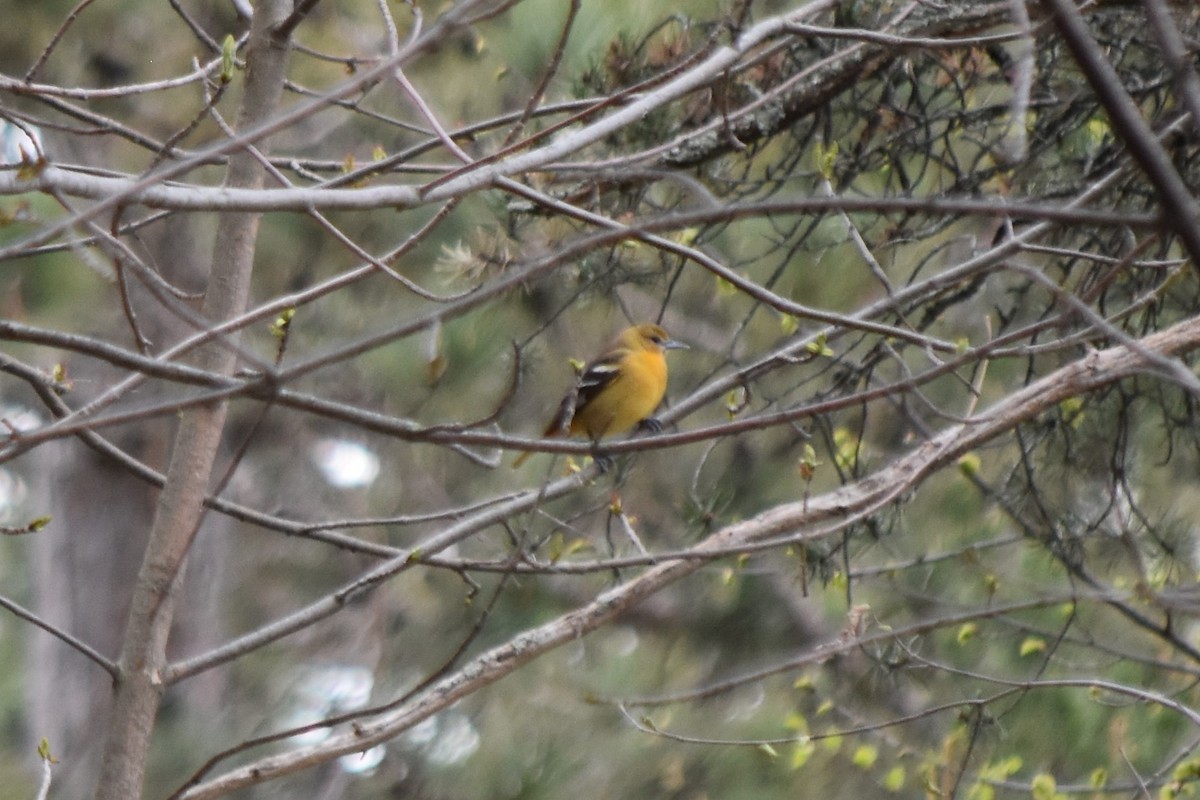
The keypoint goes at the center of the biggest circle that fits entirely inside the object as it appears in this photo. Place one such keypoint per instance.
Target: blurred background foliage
(1096, 498)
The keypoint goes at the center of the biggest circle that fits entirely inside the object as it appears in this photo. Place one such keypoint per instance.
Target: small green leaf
(560, 546)
(795, 721)
(1031, 645)
(1001, 770)
(736, 401)
(894, 780)
(1097, 129)
(966, 632)
(768, 751)
(687, 236)
(968, 464)
(1187, 771)
(865, 756)
(817, 347)
(1043, 787)
(801, 753)
(827, 159)
(554, 549)
(228, 58)
(279, 327)
(847, 446)
(43, 750)
(1072, 411)
(981, 791)
(808, 463)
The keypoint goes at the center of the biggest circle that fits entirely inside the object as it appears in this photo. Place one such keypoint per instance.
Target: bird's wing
(597, 376)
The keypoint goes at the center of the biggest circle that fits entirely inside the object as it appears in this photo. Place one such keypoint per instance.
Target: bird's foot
(651, 425)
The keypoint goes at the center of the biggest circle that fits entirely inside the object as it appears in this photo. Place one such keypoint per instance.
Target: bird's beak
(671, 344)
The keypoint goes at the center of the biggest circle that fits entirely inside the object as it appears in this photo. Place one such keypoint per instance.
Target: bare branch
(826, 513)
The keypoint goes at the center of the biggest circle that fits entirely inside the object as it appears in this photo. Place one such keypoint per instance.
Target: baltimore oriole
(617, 390)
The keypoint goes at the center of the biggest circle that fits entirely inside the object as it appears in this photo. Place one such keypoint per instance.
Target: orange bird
(618, 390)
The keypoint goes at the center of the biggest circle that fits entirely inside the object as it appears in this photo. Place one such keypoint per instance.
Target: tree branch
(815, 517)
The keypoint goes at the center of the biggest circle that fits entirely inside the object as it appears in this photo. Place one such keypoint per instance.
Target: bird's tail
(558, 426)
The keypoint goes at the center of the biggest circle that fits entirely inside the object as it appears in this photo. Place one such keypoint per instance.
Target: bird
(618, 390)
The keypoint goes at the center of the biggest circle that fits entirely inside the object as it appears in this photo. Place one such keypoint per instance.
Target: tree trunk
(180, 509)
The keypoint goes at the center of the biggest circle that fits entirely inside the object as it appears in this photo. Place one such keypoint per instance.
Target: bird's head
(654, 336)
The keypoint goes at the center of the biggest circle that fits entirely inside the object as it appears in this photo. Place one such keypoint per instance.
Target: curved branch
(822, 516)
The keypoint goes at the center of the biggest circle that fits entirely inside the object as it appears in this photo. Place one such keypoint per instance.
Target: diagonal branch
(813, 518)
(72, 641)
